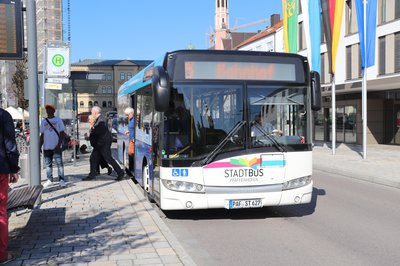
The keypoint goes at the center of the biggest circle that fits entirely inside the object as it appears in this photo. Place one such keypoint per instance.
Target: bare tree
(18, 79)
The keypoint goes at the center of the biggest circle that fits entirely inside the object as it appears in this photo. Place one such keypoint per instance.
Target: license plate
(245, 203)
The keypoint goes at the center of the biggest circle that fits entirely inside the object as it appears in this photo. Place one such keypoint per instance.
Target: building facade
(114, 74)
(49, 20)
(383, 85)
(49, 26)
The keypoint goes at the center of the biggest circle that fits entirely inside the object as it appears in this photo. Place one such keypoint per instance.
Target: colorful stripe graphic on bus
(253, 163)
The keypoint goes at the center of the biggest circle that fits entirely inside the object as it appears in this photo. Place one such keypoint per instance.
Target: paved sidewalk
(101, 222)
(382, 165)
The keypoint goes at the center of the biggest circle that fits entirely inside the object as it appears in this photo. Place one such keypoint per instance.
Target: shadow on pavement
(51, 237)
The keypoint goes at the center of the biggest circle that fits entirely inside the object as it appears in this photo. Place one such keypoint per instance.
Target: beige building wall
(375, 120)
(389, 58)
(108, 87)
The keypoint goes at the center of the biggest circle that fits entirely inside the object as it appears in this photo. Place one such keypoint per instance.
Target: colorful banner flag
(290, 26)
(332, 14)
(326, 22)
(314, 15)
(337, 26)
(371, 31)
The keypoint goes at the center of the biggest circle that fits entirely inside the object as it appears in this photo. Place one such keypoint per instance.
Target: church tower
(221, 15)
(221, 22)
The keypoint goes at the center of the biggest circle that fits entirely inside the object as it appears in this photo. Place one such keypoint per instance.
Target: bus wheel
(145, 177)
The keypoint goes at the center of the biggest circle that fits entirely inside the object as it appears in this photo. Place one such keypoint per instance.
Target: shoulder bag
(64, 141)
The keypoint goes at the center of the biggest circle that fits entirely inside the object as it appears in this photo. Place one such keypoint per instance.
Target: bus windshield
(277, 115)
(202, 116)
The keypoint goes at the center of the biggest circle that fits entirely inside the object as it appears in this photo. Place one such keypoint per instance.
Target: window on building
(300, 8)
(348, 62)
(104, 76)
(323, 68)
(128, 75)
(381, 11)
(397, 9)
(81, 104)
(397, 51)
(359, 61)
(382, 54)
(96, 103)
(109, 103)
(301, 32)
(104, 90)
(90, 104)
(122, 76)
(349, 16)
(109, 89)
(104, 104)
(109, 76)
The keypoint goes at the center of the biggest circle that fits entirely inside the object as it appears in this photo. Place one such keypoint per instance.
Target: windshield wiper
(278, 145)
(217, 149)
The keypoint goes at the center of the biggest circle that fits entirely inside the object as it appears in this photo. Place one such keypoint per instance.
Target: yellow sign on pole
(53, 86)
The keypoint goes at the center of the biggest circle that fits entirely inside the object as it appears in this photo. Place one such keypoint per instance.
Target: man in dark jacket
(8, 172)
(102, 139)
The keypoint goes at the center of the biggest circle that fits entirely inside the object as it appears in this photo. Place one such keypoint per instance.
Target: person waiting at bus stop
(131, 130)
(102, 163)
(102, 147)
(8, 173)
(51, 132)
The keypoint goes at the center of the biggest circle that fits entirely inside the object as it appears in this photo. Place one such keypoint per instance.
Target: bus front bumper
(174, 200)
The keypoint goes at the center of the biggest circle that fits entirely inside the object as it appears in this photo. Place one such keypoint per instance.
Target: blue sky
(145, 29)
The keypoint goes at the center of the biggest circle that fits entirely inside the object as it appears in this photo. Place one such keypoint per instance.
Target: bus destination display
(239, 71)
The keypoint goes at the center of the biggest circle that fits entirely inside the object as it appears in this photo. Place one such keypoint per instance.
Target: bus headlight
(296, 183)
(183, 186)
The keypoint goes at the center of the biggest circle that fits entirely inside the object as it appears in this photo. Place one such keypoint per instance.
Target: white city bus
(222, 129)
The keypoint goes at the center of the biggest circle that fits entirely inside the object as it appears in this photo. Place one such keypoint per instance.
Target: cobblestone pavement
(101, 222)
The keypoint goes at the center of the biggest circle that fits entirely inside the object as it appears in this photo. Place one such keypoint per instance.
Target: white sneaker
(47, 184)
(62, 183)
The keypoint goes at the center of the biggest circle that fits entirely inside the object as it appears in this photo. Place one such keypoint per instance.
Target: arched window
(90, 104)
(96, 103)
(109, 103)
(81, 104)
(104, 104)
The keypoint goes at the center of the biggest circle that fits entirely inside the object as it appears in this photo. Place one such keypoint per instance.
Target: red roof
(262, 34)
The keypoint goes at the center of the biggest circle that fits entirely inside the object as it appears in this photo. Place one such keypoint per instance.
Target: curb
(182, 254)
(367, 178)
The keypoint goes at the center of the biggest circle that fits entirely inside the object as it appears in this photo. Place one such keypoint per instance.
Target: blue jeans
(48, 159)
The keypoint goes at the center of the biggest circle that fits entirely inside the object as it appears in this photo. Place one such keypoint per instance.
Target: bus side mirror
(161, 89)
(316, 98)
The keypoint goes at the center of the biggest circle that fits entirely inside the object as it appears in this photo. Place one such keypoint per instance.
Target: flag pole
(364, 85)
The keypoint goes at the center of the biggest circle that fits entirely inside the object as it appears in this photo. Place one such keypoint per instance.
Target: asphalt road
(349, 222)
